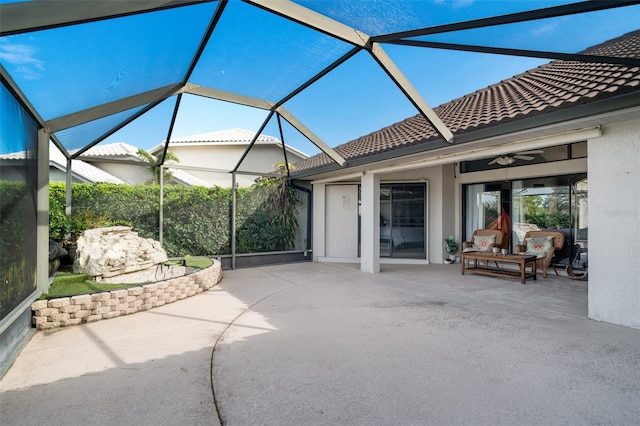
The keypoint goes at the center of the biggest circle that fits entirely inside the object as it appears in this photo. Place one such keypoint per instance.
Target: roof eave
(122, 159)
(551, 118)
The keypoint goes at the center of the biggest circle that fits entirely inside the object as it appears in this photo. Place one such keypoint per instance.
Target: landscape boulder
(115, 250)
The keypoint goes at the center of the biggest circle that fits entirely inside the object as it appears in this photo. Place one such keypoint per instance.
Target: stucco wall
(225, 157)
(441, 202)
(614, 224)
(319, 196)
(132, 174)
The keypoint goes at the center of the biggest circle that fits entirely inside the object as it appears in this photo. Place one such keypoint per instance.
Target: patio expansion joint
(216, 402)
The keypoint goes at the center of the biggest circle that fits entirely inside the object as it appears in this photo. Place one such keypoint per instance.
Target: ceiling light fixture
(505, 161)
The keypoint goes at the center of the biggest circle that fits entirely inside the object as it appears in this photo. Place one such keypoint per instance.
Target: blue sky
(265, 56)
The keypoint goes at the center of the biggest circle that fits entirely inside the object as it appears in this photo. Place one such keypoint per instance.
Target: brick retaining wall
(67, 311)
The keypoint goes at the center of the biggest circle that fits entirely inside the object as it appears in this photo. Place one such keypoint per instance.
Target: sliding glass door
(402, 220)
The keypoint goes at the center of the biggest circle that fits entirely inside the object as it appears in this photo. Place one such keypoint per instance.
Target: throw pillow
(483, 242)
(539, 246)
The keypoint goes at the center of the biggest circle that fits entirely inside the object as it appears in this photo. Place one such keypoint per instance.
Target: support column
(161, 207)
(42, 216)
(614, 224)
(370, 224)
(69, 180)
(234, 211)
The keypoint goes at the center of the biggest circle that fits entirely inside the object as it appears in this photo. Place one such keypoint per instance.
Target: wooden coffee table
(470, 263)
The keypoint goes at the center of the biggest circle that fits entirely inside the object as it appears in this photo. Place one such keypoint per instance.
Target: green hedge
(197, 220)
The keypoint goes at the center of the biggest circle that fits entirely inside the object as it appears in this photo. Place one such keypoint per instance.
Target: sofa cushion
(539, 247)
(483, 242)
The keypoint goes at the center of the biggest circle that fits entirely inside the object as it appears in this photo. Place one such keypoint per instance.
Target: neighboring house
(220, 152)
(13, 166)
(111, 159)
(563, 137)
(97, 165)
(81, 172)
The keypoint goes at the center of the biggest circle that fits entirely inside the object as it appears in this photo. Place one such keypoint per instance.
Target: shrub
(197, 220)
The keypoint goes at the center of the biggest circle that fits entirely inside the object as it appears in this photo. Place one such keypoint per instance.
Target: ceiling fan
(508, 159)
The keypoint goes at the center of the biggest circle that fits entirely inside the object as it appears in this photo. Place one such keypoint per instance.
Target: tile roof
(21, 155)
(118, 149)
(542, 90)
(84, 170)
(225, 136)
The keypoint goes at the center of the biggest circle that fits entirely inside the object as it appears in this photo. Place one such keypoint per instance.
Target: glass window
(482, 207)
(540, 204)
(553, 153)
(579, 150)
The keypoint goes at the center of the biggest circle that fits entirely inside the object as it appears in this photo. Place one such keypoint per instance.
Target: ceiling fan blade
(523, 157)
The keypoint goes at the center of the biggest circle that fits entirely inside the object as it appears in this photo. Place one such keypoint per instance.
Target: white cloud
(22, 57)
(544, 30)
(455, 3)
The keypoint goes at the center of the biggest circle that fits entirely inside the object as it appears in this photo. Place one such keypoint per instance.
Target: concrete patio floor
(313, 344)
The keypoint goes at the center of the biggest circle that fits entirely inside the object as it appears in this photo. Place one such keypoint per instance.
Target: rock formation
(116, 250)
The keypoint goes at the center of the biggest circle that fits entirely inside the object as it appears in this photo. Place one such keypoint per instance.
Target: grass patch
(193, 262)
(70, 284)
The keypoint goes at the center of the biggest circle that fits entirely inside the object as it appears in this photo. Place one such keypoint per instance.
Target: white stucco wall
(440, 203)
(370, 224)
(318, 218)
(614, 224)
(225, 157)
(131, 174)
